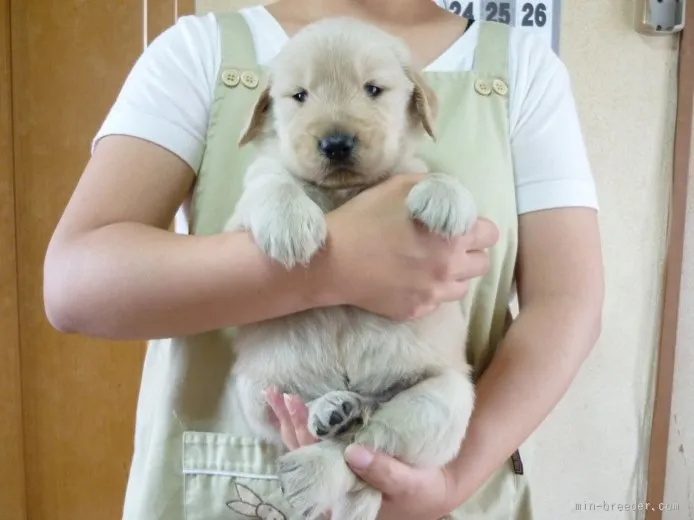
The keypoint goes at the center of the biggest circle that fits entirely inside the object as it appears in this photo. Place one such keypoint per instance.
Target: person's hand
(379, 259)
(408, 493)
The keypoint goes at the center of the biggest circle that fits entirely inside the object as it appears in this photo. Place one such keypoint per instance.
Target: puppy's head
(343, 105)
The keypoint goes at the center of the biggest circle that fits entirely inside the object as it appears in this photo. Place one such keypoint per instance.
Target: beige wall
(598, 437)
(593, 447)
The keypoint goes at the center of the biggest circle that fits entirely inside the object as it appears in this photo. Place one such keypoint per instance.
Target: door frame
(155, 16)
(12, 476)
(672, 286)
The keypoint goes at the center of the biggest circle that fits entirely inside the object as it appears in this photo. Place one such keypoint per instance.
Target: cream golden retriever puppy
(344, 110)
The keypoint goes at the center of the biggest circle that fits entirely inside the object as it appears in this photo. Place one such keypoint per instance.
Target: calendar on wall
(542, 17)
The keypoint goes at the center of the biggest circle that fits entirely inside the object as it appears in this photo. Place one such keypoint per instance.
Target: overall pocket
(231, 478)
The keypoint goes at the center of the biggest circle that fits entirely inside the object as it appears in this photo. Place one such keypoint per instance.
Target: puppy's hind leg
(316, 477)
(425, 424)
(364, 504)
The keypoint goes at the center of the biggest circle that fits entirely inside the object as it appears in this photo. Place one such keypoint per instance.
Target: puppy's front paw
(336, 413)
(288, 227)
(443, 205)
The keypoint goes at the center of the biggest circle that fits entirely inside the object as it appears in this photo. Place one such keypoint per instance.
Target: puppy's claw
(443, 205)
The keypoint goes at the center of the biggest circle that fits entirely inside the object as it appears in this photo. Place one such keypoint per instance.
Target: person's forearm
(537, 361)
(157, 284)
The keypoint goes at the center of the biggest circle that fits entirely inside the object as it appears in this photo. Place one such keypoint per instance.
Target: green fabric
(194, 454)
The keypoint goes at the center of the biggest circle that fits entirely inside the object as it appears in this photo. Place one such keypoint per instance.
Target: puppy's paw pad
(335, 413)
(290, 231)
(443, 205)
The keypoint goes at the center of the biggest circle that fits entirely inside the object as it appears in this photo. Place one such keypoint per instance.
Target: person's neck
(395, 12)
(386, 12)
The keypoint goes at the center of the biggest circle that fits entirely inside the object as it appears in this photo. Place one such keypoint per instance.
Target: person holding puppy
(114, 270)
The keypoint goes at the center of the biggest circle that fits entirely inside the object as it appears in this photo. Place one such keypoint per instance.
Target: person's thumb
(385, 473)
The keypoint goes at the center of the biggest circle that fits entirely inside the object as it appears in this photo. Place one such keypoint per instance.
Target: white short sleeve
(549, 155)
(167, 95)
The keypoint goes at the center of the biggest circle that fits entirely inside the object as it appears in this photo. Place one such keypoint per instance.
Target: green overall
(195, 457)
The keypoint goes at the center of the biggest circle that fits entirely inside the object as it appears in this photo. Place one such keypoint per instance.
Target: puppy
(344, 109)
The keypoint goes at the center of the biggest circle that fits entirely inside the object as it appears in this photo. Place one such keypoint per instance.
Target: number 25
(499, 12)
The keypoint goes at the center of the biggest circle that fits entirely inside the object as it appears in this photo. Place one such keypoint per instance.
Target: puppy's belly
(343, 348)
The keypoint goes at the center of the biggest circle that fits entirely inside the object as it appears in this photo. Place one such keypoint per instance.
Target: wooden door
(67, 403)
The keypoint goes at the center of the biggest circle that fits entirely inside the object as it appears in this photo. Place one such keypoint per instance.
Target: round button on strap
(482, 88)
(500, 87)
(231, 77)
(249, 79)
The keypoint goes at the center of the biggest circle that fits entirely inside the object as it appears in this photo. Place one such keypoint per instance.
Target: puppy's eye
(372, 90)
(300, 96)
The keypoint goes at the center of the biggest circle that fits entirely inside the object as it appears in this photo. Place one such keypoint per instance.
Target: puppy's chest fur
(329, 200)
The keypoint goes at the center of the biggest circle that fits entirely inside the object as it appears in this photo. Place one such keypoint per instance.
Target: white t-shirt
(166, 99)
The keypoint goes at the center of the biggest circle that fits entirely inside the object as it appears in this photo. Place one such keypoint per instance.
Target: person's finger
(298, 414)
(482, 235)
(470, 264)
(455, 291)
(286, 427)
(407, 179)
(388, 475)
(422, 311)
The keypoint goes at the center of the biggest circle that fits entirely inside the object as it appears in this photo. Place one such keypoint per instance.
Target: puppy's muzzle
(337, 148)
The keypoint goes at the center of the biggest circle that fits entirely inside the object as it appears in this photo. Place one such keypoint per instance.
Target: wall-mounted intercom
(660, 17)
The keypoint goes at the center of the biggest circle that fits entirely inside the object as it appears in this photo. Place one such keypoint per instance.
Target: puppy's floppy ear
(258, 118)
(424, 103)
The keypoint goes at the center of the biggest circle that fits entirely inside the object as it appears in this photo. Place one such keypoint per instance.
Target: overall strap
(491, 56)
(491, 61)
(237, 44)
(236, 90)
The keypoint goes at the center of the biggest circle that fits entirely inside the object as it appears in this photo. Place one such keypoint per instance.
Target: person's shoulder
(537, 75)
(531, 54)
(167, 94)
(551, 164)
(188, 50)
(194, 34)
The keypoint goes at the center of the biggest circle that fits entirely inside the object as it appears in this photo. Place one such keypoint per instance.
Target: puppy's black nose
(337, 147)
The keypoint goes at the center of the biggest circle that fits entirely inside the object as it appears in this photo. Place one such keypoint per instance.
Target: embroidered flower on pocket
(252, 506)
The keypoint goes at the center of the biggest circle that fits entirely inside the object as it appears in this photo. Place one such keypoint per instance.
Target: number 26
(498, 12)
(534, 15)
